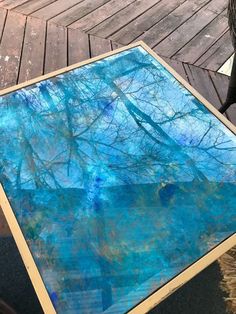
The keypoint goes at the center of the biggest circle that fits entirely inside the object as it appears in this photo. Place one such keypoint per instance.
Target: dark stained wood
(200, 44)
(193, 31)
(231, 113)
(78, 11)
(55, 8)
(187, 30)
(212, 85)
(101, 14)
(10, 49)
(145, 21)
(180, 37)
(56, 48)
(32, 6)
(33, 50)
(115, 45)
(200, 80)
(213, 57)
(170, 23)
(122, 18)
(224, 52)
(220, 82)
(78, 46)
(177, 66)
(99, 46)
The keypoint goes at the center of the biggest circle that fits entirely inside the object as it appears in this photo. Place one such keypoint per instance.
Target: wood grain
(32, 6)
(56, 48)
(145, 21)
(205, 39)
(78, 11)
(102, 13)
(99, 46)
(199, 78)
(33, 50)
(170, 23)
(55, 8)
(10, 49)
(187, 31)
(78, 46)
(122, 18)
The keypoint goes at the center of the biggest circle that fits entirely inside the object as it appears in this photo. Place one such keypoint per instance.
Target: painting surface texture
(119, 179)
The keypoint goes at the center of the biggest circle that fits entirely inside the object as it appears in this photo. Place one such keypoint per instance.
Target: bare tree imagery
(104, 164)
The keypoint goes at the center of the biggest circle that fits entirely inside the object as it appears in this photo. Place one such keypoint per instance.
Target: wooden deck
(192, 31)
(37, 37)
(40, 36)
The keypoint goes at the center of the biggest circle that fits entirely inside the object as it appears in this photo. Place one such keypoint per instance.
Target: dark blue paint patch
(107, 226)
(54, 298)
(167, 192)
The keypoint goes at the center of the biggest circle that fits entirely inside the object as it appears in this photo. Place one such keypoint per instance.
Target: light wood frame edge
(21, 243)
(26, 255)
(186, 275)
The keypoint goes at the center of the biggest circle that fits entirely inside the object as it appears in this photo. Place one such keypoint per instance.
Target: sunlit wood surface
(192, 31)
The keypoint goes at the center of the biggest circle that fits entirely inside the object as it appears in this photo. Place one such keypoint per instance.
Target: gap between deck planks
(11, 48)
(173, 28)
(41, 47)
(30, 47)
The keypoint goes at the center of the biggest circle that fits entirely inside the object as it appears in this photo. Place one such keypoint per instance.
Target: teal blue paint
(119, 179)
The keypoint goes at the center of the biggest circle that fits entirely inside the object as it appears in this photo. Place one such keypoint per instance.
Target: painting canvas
(119, 178)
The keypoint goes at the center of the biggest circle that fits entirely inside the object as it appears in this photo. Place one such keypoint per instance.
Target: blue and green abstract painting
(119, 178)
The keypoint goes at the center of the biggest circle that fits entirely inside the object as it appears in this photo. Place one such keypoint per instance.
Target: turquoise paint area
(119, 179)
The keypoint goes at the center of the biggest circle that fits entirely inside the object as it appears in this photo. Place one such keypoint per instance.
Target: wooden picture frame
(175, 282)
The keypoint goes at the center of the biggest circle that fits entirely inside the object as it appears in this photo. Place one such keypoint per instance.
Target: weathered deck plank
(11, 4)
(78, 11)
(175, 28)
(145, 21)
(122, 18)
(170, 23)
(40, 46)
(104, 12)
(3, 14)
(56, 48)
(32, 6)
(10, 49)
(178, 67)
(32, 60)
(221, 50)
(99, 46)
(196, 47)
(78, 46)
(187, 31)
(231, 114)
(199, 78)
(55, 9)
(220, 83)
